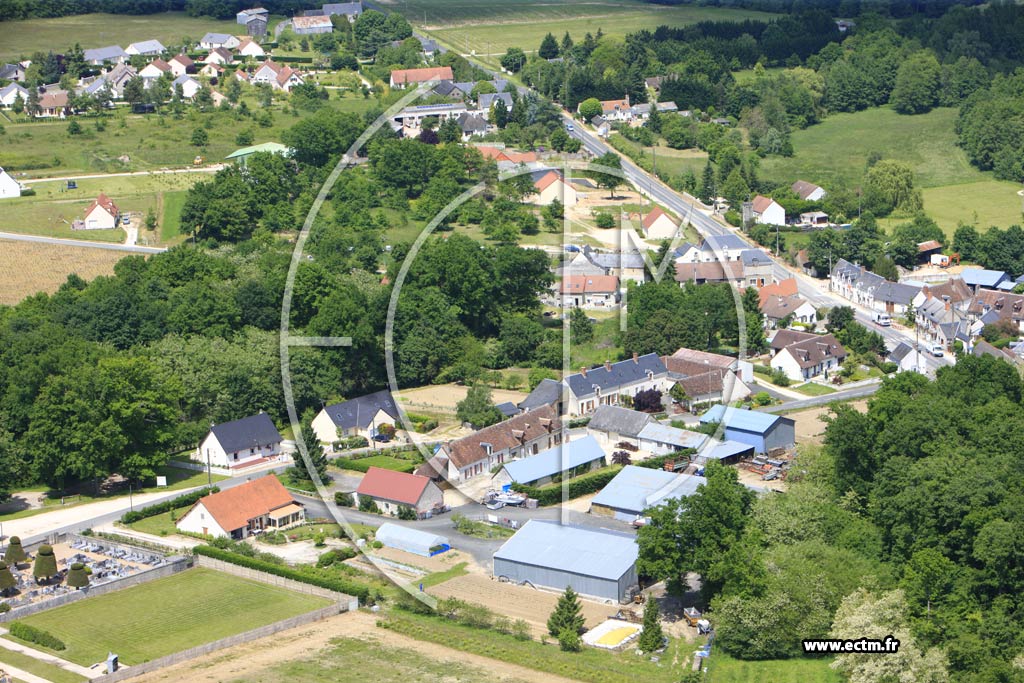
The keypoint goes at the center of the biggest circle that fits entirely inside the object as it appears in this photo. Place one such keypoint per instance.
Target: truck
(940, 260)
(883, 319)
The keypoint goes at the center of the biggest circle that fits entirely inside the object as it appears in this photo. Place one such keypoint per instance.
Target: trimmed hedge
(167, 506)
(579, 422)
(359, 466)
(310, 575)
(35, 635)
(580, 486)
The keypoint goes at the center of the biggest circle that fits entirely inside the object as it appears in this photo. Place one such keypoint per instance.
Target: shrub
(406, 513)
(367, 504)
(77, 576)
(319, 540)
(14, 553)
(308, 575)
(377, 545)
(335, 556)
(779, 378)
(603, 219)
(351, 442)
(569, 641)
(31, 634)
(4, 607)
(580, 486)
(579, 422)
(45, 566)
(343, 499)
(762, 370)
(167, 506)
(658, 463)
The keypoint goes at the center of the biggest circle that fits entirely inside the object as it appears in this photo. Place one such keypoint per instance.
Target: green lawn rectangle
(34, 666)
(814, 389)
(724, 669)
(389, 463)
(168, 615)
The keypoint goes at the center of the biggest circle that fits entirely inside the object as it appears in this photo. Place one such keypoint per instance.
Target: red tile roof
(232, 509)
(507, 155)
(511, 433)
(390, 485)
(104, 202)
(762, 203)
(785, 287)
(547, 180)
(160, 64)
(654, 215)
(580, 284)
(608, 106)
(184, 60)
(433, 73)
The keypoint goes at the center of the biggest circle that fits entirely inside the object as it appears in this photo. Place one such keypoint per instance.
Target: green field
(168, 615)
(388, 463)
(50, 672)
(170, 220)
(663, 159)
(984, 204)
(814, 389)
(52, 208)
(838, 149)
(22, 38)
(491, 28)
(351, 660)
(724, 669)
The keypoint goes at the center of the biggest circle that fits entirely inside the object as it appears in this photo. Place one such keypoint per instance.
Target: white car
(569, 127)
(937, 350)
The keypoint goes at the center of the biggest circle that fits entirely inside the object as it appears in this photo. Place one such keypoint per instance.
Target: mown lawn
(983, 204)
(386, 462)
(168, 615)
(814, 389)
(724, 669)
(34, 666)
(837, 149)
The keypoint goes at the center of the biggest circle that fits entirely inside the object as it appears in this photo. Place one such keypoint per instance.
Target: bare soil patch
(28, 268)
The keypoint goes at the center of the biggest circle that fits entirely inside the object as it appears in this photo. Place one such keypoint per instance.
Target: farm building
(725, 452)
(392, 491)
(636, 489)
(362, 416)
(241, 156)
(763, 431)
(613, 424)
(563, 459)
(260, 505)
(809, 192)
(411, 540)
(549, 186)
(595, 563)
(240, 443)
(660, 439)
(311, 25)
(658, 225)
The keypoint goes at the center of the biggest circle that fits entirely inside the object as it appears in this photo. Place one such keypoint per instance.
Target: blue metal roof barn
(763, 431)
(596, 563)
(541, 467)
(411, 540)
(636, 489)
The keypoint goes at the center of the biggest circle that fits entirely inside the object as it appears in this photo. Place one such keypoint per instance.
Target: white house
(717, 248)
(658, 225)
(589, 291)
(146, 47)
(250, 48)
(253, 507)
(809, 192)
(605, 384)
(224, 40)
(154, 70)
(279, 77)
(101, 214)
(803, 356)
(361, 416)
(102, 55)
(219, 56)
(349, 10)
(241, 443)
(180, 64)
(550, 185)
(776, 308)
(908, 358)
(767, 210)
(391, 491)
(211, 70)
(189, 86)
(519, 436)
(9, 187)
(11, 92)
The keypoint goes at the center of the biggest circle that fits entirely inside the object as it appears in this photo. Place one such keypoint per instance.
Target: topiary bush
(45, 566)
(7, 581)
(15, 554)
(78, 577)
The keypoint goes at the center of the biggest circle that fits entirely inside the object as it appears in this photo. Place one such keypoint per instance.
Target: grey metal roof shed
(596, 563)
(411, 540)
(636, 489)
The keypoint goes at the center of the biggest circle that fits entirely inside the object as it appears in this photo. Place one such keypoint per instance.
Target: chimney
(583, 371)
(636, 357)
(608, 366)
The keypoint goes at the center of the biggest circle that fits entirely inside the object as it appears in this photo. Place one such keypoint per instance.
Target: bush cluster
(173, 504)
(309, 575)
(581, 486)
(35, 635)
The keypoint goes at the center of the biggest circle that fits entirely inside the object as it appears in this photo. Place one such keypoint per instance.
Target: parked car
(495, 505)
(937, 350)
(569, 127)
(381, 438)
(770, 475)
(883, 319)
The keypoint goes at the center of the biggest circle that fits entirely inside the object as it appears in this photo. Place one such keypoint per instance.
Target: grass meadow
(22, 38)
(724, 669)
(36, 667)
(168, 615)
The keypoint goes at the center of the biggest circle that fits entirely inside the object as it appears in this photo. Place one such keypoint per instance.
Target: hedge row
(359, 466)
(313, 578)
(580, 486)
(35, 635)
(167, 506)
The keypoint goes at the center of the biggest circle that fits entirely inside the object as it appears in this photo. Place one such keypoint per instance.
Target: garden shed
(411, 540)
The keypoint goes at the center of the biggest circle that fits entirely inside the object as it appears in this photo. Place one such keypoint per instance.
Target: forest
(907, 521)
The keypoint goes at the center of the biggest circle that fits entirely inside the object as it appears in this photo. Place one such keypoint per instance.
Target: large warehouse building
(636, 489)
(601, 564)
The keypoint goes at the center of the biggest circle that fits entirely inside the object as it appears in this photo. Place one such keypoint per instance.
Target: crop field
(493, 27)
(28, 268)
(168, 615)
(22, 38)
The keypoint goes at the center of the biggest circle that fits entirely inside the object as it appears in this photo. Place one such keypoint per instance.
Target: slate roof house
(146, 47)
(361, 416)
(603, 385)
(392, 491)
(238, 512)
(103, 55)
(615, 424)
(241, 443)
(517, 437)
(709, 377)
(860, 285)
(907, 358)
(547, 393)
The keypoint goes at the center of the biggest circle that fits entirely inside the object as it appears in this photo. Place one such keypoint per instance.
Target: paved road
(59, 241)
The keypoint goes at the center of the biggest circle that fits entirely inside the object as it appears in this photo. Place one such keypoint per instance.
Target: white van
(883, 319)
(937, 350)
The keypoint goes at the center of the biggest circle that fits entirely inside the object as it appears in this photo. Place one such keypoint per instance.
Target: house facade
(241, 443)
(803, 356)
(517, 437)
(769, 211)
(658, 225)
(808, 192)
(391, 491)
(9, 187)
(794, 307)
(589, 291)
(549, 186)
(101, 214)
(605, 384)
(361, 416)
(403, 78)
(258, 506)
